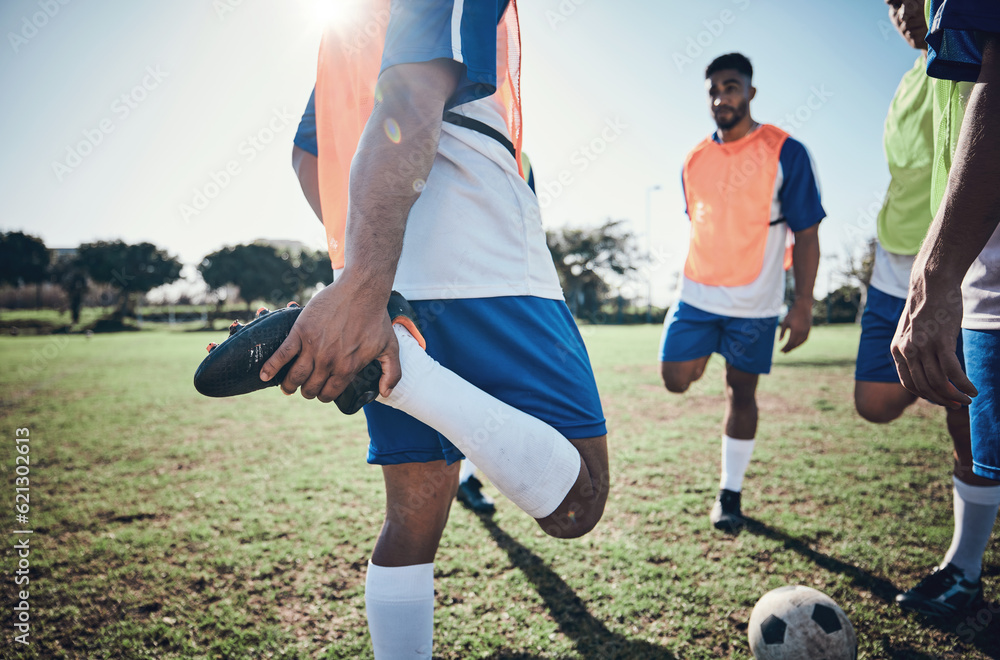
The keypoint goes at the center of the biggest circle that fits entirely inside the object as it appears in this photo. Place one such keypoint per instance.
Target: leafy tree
(840, 306)
(68, 273)
(263, 272)
(857, 270)
(588, 259)
(132, 269)
(309, 269)
(24, 259)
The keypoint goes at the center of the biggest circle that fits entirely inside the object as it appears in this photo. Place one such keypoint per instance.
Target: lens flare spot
(419, 185)
(392, 130)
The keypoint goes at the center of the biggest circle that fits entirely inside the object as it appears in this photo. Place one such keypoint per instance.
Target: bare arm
(924, 345)
(345, 326)
(306, 168)
(805, 262)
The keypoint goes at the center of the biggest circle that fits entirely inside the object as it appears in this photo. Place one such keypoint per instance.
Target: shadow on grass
(591, 636)
(879, 587)
(980, 628)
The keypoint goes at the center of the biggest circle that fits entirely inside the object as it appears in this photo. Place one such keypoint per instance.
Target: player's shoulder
(704, 143)
(793, 151)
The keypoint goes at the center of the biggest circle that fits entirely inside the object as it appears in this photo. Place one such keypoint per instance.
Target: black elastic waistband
(480, 127)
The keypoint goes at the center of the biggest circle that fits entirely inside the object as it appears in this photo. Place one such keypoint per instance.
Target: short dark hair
(736, 61)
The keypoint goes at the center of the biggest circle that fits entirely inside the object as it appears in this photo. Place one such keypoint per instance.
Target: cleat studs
(211, 346)
(293, 304)
(263, 311)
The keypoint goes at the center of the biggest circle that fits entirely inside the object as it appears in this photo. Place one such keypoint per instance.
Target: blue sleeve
(799, 193)
(684, 195)
(305, 136)
(953, 38)
(461, 30)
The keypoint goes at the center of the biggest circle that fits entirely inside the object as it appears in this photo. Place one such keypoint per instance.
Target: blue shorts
(746, 343)
(878, 325)
(982, 351)
(525, 351)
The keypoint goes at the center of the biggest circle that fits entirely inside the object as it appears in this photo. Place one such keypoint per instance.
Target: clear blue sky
(180, 89)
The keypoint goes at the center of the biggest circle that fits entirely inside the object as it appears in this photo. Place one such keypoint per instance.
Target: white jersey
(891, 272)
(475, 231)
(981, 289)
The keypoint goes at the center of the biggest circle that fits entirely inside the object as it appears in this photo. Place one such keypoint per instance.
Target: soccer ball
(800, 623)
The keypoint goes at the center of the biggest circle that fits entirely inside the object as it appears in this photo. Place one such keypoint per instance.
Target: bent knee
(572, 526)
(676, 382)
(676, 386)
(877, 411)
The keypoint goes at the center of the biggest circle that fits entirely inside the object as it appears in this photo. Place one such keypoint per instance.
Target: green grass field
(169, 525)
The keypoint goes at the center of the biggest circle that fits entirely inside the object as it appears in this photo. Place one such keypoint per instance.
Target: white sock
(399, 602)
(735, 459)
(467, 470)
(525, 458)
(975, 513)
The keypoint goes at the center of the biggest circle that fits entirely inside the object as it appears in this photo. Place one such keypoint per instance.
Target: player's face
(908, 17)
(729, 94)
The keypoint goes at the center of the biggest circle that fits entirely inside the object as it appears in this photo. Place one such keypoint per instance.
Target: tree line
(260, 271)
(597, 268)
(591, 264)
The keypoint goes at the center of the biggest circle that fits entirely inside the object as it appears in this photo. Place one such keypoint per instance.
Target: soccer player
(305, 154)
(747, 187)
(955, 285)
(505, 378)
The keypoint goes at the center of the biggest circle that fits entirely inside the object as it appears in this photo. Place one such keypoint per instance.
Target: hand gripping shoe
(233, 367)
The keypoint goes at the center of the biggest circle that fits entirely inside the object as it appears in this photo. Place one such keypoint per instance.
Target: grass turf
(168, 525)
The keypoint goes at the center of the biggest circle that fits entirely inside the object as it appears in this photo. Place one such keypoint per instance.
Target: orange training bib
(729, 189)
(350, 58)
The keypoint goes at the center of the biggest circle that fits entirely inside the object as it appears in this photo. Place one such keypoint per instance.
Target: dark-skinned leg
(583, 506)
(973, 519)
(961, 438)
(955, 585)
(741, 403)
(881, 403)
(678, 376)
(418, 500)
(399, 588)
(740, 426)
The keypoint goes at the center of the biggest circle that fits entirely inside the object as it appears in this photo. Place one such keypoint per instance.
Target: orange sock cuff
(411, 327)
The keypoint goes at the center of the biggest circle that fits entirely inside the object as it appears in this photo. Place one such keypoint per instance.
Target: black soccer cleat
(470, 493)
(726, 514)
(944, 593)
(233, 367)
